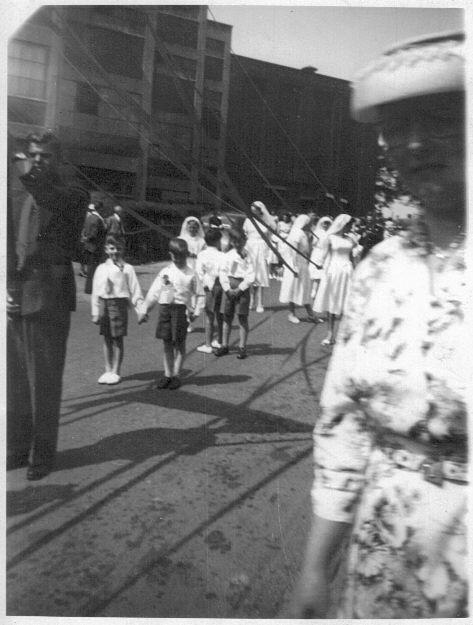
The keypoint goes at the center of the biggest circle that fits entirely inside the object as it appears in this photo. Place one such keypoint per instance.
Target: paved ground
(188, 503)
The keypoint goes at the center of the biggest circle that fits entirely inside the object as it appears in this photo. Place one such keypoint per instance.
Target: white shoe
(205, 349)
(104, 378)
(189, 328)
(294, 319)
(216, 344)
(113, 378)
(260, 309)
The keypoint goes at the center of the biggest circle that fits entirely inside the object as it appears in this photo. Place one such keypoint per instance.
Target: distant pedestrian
(295, 285)
(115, 286)
(93, 236)
(319, 235)
(173, 289)
(236, 275)
(258, 251)
(336, 278)
(114, 223)
(215, 220)
(209, 261)
(193, 234)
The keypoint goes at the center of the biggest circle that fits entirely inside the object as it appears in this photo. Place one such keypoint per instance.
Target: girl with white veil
(336, 277)
(258, 252)
(193, 234)
(295, 288)
(319, 234)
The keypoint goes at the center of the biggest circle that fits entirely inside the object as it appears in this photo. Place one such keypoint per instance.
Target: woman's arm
(312, 595)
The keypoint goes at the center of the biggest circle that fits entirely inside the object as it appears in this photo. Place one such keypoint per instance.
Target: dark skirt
(113, 315)
(172, 323)
(213, 298)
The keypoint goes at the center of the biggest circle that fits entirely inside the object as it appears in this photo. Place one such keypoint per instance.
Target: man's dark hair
(179, 248)
(48, 138)
(213, 236)
(118, 242)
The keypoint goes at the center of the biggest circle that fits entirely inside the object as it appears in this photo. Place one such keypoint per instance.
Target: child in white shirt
(236, 275)
(173, 289)
(207, 269)
(114, 286)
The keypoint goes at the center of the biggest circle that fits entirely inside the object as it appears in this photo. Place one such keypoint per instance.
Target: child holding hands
(114, 287)
(236, 275)
(173, 290)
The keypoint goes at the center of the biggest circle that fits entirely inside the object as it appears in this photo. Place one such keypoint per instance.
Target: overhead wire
(183, 169)
(286, 134)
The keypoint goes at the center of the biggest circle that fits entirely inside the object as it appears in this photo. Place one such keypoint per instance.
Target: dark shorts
(213, 298)
(172, 323)
(113, 316)
(239, 305)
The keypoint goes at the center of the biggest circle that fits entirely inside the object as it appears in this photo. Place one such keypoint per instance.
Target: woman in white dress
(319, 234)
(295, 288)
(193, 234)
(337, 272)
(258, 251)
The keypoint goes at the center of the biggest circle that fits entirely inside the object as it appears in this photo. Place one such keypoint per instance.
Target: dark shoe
(17, 461)
(221, 351)
(37, 473)
(241, 353)
(174, 383)
(163, 383)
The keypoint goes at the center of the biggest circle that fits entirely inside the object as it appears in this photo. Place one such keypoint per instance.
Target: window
(213, 69)
(186, 67)
(165, 96)
(87, 99)
(132, 17)
(24, 111)
(27, 68)
(165, 169)
(109, 180)
(177, 30)
(215, 45)
(211, 123)
(212, 99)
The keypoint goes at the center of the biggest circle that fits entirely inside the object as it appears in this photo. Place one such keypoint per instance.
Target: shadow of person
(31, 497)
(263, 349)
(206, 380)
(137, 446)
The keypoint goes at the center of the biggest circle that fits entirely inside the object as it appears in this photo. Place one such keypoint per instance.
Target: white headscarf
(297, 231)
(339, 223)
(194, 243)
(265, 215)
(318, 231)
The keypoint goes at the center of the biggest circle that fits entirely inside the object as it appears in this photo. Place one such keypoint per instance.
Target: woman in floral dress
(390, 444)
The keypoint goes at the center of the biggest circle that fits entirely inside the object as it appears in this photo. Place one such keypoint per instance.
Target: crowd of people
(391, 438)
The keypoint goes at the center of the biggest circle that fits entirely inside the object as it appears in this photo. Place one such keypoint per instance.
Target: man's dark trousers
(36, 352)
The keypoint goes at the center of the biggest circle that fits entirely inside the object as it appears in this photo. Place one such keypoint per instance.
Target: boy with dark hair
(115, 285)
(173, 289)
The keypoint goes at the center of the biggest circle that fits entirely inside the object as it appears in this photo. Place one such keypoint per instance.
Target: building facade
(291, 141)
(151, 107)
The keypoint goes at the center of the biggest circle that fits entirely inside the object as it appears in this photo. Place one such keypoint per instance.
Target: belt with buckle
(435, 470)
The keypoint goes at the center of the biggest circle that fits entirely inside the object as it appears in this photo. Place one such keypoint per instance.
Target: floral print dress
(396, 385)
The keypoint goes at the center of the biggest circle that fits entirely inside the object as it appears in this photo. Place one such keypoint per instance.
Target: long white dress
(316, 256)
(258, 251)
(296, 289)
(336, 277)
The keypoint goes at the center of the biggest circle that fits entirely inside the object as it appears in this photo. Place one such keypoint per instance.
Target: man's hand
(13, 308)
(95, 319)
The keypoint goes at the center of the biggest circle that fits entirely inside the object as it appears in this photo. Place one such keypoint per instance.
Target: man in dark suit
(114, 223)
(93, 239)
(43, 234)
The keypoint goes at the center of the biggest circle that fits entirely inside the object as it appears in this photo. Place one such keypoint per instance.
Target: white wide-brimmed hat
(432, 64)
